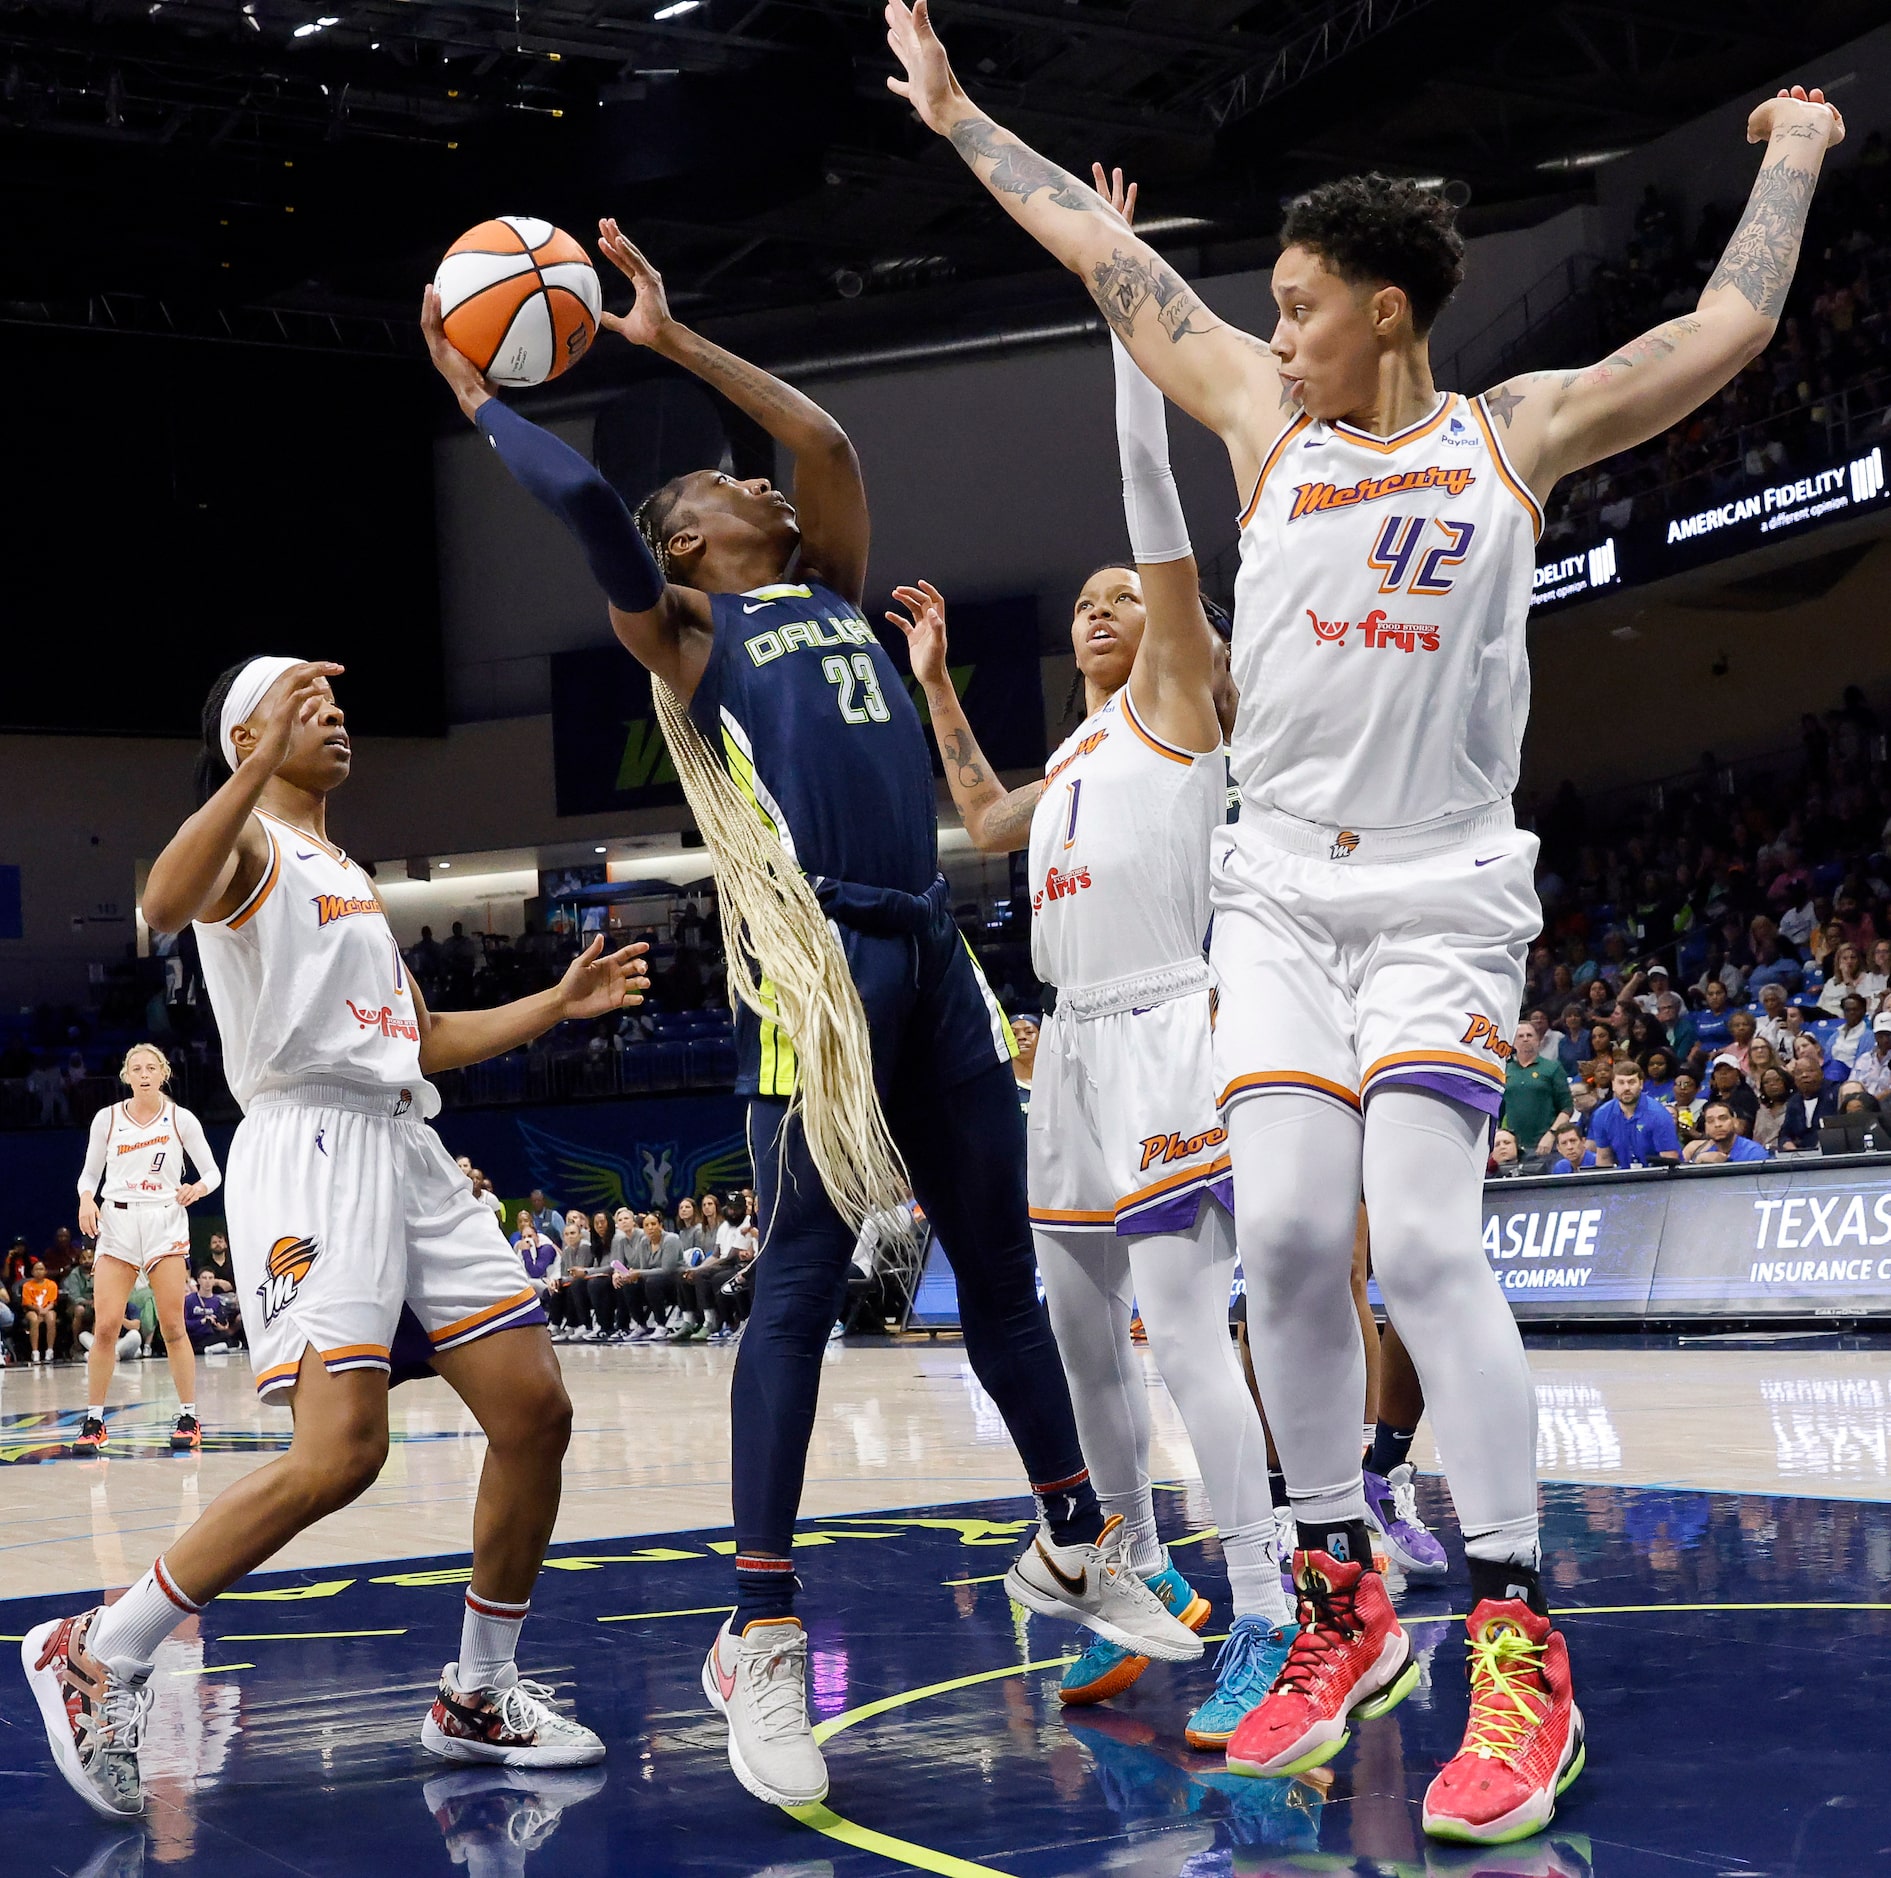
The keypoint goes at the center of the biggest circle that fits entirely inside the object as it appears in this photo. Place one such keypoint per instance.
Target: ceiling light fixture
(1583, 160)
(598, 850)
(676, 9)
(444, 865)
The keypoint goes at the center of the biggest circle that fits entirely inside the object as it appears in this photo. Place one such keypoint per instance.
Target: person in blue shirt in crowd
(1637, 1133)
(1573, 1154)
(1814, 1100)
(1721, 1139)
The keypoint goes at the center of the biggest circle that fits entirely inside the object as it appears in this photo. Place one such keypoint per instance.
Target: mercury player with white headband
(137, 1150)
(1375, 902)
(1130, 1195)
(361, 1255)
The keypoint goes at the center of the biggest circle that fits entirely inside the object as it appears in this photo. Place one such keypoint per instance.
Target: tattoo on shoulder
(1017, 170)
(1759, 261)
(1660, 343)
(1124, 284)
(1503, 402)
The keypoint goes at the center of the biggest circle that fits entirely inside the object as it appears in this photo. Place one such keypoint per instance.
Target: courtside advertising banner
(1578, 1247)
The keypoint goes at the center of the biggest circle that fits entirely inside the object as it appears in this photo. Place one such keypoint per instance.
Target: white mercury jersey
(307, 982)
(1119, 852)
(1379, 621)
(143, 1164)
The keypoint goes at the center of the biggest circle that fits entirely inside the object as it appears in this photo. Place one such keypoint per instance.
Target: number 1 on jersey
(1075, 790)
(857, 672)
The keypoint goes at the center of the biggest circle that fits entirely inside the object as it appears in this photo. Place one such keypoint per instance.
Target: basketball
(519, 299)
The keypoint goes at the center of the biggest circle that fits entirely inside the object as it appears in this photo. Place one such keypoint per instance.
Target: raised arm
(1225, 378)
(998, 819)
(663, 627)
(1556, 422)
(830, 498)
(1173, 680)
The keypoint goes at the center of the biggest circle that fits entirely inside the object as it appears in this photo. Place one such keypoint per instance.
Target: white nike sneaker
(94, 1712)
(759, 1683)
(1093, 1585)
(511, 1722)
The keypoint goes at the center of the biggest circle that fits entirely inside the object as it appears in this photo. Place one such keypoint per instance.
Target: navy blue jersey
(814, 723)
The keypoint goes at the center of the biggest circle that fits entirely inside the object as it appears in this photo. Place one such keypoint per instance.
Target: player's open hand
(925, 631)
(294, 700)
(596, 984)
(649, 316)
(1111, 188)
(470, 385)
(88, 1217)
(1797, 112)
(929, 86)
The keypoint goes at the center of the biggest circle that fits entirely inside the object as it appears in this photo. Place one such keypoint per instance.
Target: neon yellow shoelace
(1504, 1663)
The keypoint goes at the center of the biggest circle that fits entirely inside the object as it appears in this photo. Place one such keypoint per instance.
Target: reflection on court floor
(1733, 1656)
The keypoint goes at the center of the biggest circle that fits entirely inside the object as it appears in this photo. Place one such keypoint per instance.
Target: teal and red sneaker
(1252, 1657)
(1106, 1669)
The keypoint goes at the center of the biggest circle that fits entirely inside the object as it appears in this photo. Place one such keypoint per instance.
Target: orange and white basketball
(520, 299)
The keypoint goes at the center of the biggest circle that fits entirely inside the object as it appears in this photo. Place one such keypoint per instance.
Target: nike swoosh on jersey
(1076, 1586)
(1487, 860)
(757, 607)
(300, 856)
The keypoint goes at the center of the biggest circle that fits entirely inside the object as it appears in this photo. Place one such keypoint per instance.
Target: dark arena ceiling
(209, 165)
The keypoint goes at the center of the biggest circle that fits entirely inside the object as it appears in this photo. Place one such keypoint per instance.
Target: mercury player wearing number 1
(865, 1031)
(1374, 904)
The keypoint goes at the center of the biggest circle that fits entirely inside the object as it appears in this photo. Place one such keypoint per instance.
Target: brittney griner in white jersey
(1131, 1201)
(1374, 904)
(132, 1196)
(359, 1251)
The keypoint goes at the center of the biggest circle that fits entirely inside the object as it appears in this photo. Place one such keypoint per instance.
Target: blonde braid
(773, 928)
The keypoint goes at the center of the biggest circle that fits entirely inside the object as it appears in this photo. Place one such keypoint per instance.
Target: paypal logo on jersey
(1461, 433)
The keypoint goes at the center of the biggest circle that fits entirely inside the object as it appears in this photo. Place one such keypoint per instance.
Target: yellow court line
(1195, 1538)
(212, 1669)
(901, 1851)
(997, 1578)
(867, 1710)
(644, 1617)
(300, 1636)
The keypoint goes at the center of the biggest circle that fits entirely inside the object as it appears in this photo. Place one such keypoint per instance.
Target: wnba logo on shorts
(289, 1262)
(1344, 844)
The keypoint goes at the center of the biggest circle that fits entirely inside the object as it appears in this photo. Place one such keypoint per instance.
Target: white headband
(245, 694)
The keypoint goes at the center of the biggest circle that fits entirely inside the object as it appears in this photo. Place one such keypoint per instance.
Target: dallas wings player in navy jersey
(800, 742)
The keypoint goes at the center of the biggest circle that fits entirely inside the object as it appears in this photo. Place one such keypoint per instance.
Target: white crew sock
(96, 1412)
(130, 1631)
(1253, 1560)
(187, 1408)
(1138, 1508)
(489, 1638)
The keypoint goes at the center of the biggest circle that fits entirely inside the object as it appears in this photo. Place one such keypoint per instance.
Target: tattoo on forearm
(1760, 259)
(1124, 284)
(1009, 824)
(1017, 169)
(961, 750)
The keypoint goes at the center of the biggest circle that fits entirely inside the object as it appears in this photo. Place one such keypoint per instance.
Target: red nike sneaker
(92, 1435)
(1523, 1744)
(1349, 1658)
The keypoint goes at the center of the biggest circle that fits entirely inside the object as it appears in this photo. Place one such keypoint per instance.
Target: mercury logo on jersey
(150, 1141)
(1316, 498)
(1060, 886)
(333, 906)
(1173, 1147)
(289, 1262)
(1089, 743)
(1345, 845)
(1376, 632)
(385, 1020)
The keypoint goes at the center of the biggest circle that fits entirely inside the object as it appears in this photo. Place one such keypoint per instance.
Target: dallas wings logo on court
(289, 1262)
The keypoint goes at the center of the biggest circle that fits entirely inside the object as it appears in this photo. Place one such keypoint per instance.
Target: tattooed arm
(1221, 376)
(997, 819)
(830, 498)
(1556, 422)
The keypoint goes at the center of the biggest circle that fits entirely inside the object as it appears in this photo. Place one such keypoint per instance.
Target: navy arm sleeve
(558, 477)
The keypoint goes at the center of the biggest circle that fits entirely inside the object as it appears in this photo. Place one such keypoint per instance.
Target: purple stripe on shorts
(1174, 1212)
(1468, 1090)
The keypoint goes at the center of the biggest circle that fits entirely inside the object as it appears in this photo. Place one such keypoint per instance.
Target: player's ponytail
(212, 771)
(773, 928)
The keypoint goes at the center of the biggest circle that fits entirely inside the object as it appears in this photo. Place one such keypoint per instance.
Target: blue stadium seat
(669, 1064)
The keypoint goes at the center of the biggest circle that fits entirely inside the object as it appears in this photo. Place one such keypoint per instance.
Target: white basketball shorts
(1123, 1135)
(140, 1232)
(1348, 960)
(341, 1212)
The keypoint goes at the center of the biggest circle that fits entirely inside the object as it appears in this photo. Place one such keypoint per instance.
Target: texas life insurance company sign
(1792, 1239)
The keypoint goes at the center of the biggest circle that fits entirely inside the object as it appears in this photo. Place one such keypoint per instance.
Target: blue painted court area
(1732, 1654)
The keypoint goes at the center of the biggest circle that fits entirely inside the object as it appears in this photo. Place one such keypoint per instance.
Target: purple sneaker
(1392, 1512)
